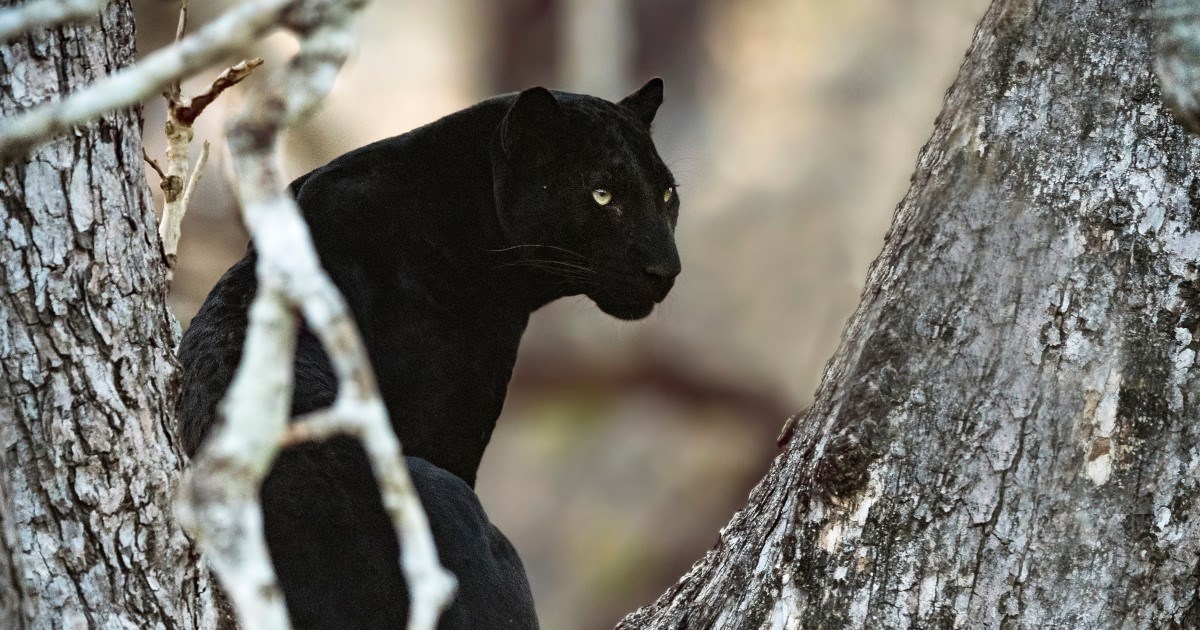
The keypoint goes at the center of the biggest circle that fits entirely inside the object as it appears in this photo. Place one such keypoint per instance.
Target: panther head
(583, 196)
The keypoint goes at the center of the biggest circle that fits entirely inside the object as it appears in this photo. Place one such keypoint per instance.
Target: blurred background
(792, 127)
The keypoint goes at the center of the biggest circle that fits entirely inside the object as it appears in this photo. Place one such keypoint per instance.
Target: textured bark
(1008, 435)
(87, 366)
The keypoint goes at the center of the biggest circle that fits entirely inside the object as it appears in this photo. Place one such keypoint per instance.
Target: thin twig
(187, 111)
(154, 165)
(174, 91)
(194, 179)
(181, 27)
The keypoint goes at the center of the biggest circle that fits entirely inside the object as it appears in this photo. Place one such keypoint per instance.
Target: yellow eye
(667, 194)
(602, 196)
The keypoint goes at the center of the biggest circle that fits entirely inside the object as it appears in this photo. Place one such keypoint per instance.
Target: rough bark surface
(87, 367)
(1009, 434)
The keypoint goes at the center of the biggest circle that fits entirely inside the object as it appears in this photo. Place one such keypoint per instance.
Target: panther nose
(662, 277)
(663, 271)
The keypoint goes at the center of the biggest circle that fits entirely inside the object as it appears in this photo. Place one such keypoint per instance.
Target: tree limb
(26, 17)
(181, 114)
(221, 499)
(218, 39)
(187, 111)
(194, 178)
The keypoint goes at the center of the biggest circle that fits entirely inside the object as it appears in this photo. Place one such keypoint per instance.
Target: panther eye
(668, 194)
(602, 196)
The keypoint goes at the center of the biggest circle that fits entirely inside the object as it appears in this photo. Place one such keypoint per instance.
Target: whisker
(563, 263)
(555, 271)
(554, 247)
(550, 264)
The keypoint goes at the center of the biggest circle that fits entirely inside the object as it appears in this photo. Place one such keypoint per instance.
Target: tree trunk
(1008, 435)
(88, 464)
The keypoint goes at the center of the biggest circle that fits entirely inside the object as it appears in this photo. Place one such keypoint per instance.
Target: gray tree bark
(1008, 435)
(88, 465)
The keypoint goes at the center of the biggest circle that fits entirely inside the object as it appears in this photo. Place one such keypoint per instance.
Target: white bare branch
(181, 115)
(179, 140)
(40, 13)
(194, 179)
(228, 471)
(217, 40)
(219, 500)
(171, 226)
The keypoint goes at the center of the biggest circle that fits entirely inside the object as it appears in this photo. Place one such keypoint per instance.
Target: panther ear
(535, 115)
(644, 102)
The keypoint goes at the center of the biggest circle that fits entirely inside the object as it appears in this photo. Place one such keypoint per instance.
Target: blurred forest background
(792, 127)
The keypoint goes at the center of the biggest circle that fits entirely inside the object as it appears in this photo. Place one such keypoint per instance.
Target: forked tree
(1007, 436)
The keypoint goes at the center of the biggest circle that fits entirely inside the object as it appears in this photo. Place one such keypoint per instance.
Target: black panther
(443, 241)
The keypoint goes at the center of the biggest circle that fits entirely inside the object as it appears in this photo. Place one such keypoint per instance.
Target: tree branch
(39, 13)
(192, 181)
(181, 114)
(221, 499)
(220, 38)
(153, 164)
(187, 111)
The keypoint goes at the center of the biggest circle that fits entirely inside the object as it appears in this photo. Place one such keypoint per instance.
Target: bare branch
(194, 179)
(230, 468)
(181, 114)
(187, 111)
(219, 502)
(315, 426)
(179, 139)
(220, 38)
(181, 27)
(175, 89)
(170, 227)
(154, 165)
(39, 13)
